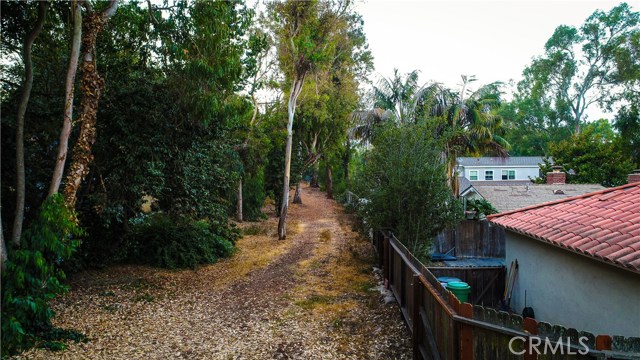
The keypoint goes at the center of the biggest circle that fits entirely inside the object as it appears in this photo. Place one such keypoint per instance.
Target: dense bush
(160, 240)
(404, 187)
(33, 277)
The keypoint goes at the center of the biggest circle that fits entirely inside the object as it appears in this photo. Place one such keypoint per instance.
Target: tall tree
(304, 32)
(469, 126)
(92, 84)
(63, 143)
(580, 66)
(22, 109)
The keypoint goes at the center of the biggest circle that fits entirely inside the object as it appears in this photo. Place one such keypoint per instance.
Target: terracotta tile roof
(604, 225)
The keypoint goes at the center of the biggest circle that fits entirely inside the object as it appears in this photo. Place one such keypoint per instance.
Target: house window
(508, 174)
(473, 175)
(488, 175)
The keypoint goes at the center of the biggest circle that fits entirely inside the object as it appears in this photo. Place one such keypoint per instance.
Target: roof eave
(572, 250)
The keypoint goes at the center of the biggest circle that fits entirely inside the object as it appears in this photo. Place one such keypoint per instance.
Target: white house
(493, 169)
(579, 260)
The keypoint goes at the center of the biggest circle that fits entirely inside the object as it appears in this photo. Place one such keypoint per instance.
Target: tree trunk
(452, 174)
(239, 201)
(314, 178)
(92, 85)
(3, 250)
(63, 145)
(345, 163)
(296, 88)
(22, 109)
(297, 196)
(329, 183)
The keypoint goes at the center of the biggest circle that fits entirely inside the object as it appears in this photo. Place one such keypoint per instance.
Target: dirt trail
(311, 296)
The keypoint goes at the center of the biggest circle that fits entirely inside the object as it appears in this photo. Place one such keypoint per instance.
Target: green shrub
(33, 277)
(481, 207)
(403, 187)
(162, 241)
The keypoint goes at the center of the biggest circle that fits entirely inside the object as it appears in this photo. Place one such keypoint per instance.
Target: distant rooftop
(464, 183)
(500, 161)
(511, 197)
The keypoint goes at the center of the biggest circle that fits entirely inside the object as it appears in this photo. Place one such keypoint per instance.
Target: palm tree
(469, 126)
(467, 121)
(364, 123)
(398, 95)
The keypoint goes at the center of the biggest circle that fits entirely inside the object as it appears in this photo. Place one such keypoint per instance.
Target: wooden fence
(443, 328)
(472, 239)
(487, 283)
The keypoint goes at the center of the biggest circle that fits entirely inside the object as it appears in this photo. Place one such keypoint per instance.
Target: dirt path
(311, 296)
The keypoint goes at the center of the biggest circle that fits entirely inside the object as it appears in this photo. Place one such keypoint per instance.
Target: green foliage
(405, 186)
(304, 30)
(627, 122)
(581, 67)
(528, 128)
(33, 277)
(254, 195)
(481, 207)
(160, 240)
(594, 155)
(399, 96)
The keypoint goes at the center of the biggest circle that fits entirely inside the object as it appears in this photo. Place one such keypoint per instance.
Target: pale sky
(493, 40)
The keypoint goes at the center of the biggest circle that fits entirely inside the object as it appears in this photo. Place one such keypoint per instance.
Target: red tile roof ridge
(583, 196)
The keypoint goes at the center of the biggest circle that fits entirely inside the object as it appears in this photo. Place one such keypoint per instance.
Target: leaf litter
(311, 296)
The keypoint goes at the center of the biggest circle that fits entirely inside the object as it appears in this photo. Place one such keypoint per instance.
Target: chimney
(634, 176)
(557, 176)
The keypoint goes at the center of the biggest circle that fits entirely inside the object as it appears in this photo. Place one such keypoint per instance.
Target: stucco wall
(572, 290)
(522, 173)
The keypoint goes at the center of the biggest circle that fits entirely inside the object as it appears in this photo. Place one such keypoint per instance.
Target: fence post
(603, 342)
(385, 258)
(417, 321)
(530, 326)
(466, 333)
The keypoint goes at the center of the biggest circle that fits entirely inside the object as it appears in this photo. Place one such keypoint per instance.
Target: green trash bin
(460, 289)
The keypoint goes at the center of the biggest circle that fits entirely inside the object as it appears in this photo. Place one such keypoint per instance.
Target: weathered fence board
(472, 238)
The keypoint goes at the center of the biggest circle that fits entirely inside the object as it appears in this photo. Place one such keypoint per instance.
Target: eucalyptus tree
(259, 66)
(329, 98)
(63, 142)
(584, 66)
(27, 84)
(304, 33)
